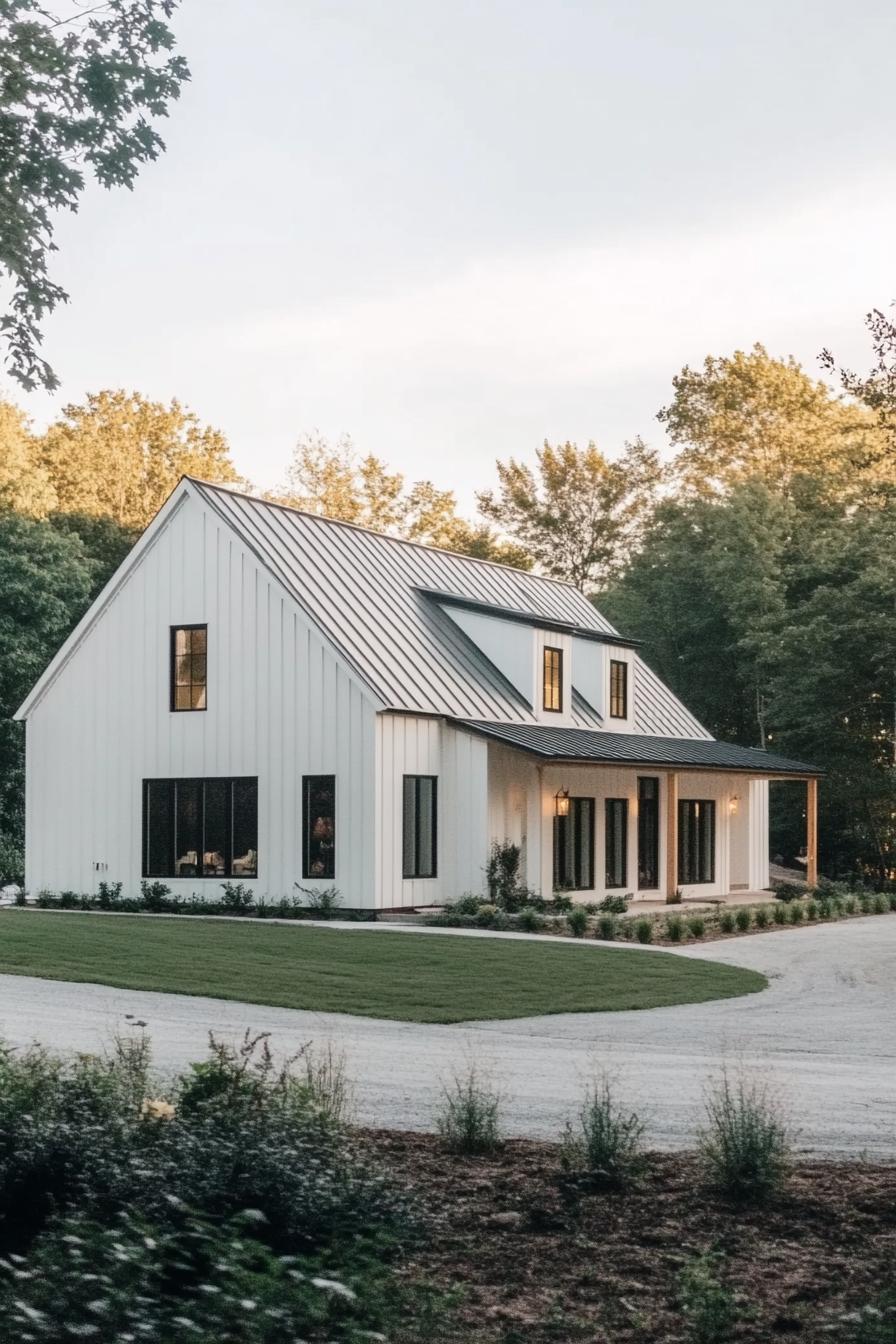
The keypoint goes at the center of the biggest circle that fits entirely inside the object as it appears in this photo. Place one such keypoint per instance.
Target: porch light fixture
(561, 803)
(733, 804)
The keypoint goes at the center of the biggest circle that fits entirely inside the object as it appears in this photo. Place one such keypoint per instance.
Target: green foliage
(761, 917)
(577, 921)
(530, 920)
(871, 1323)
(674, 928)
(238, 898)
(709, 1308)
(614, 904)
(746, 1144)
(779, 914)
(795, 913)
(506, 888)
(605, 1142)
(789, 891)
(742, 917)
(644, 930)
(12, 861)
(469, 1116)
(606, 927)
(726, 921)
(320, 902)
(79, 95)
(812, 910)
(696, 926)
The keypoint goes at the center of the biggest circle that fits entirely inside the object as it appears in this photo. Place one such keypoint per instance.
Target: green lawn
(408, 977)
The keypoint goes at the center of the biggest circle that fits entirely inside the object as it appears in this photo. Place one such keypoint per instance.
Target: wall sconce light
(561, 803)
(733, 805)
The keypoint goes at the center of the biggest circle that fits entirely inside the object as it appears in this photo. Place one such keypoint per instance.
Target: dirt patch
(536, 1262)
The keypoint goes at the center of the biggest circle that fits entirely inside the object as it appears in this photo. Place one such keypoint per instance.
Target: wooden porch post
(812, 831)
(671, 835)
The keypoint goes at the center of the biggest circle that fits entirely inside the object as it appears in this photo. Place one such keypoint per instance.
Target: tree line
(758, 565)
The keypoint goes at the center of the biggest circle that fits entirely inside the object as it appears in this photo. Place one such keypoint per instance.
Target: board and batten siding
(281, 704)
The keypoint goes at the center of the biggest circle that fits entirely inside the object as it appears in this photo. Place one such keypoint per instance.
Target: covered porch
(654, 819)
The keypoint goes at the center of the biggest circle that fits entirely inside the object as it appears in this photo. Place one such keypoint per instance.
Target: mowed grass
(406, 977)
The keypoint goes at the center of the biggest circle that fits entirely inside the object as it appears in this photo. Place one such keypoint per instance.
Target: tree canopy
(79, 92)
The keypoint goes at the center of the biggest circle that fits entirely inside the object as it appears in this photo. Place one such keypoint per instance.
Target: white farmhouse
(269, 697)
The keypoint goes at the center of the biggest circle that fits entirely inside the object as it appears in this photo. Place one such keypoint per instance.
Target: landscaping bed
(536, 1266)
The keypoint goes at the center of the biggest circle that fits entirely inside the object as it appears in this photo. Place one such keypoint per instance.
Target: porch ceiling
(580, 744)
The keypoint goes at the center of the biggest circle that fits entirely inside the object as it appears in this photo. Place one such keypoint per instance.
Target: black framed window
(618, 689)
(552, 679)
(200, 827)
(696, 840)
(189, 667)
(616, 841)
(648, 833)
(574, 847)
(419, 826)
(319, 826)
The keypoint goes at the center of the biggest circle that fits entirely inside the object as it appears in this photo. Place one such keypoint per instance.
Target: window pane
(244, 825)
(181, 642)
(319, 825)
(216, 820)
(552, 677)
(198, 640)
(183, 696)
(426, 827)
(696, 840)
(409, 827)
(187, 827)
(616, 810)
(583, 815)
(158, 827)
(648, 833)
(189, 667)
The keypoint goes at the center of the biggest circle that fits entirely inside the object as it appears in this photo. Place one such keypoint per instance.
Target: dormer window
(189, 667)
(618, 689)
(553, 680)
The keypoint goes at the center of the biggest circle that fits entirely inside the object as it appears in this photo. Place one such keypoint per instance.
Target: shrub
(323, 902)
(485, 915)
(788, 891)
(761, 917)
(530, 920)
(708, 1306)
(644, 931)
(467, 904)
(614, 905)
(866, 903)
(872, 1323)
(892, 900)
(577, 920)
(746, 1143)
(881, 904)
(605, 1142)
(108, 895)
(850, 905)
(156, 898)
(468, 1120)
(795, 913)
(696, 926)
(562, 904)
(606, 928)
(674, 928)
(238, 899)
(726, 921)
(676, 897)
(12, 862)
(812, 910)
(779, 914)
(743, 917)
(502, 874)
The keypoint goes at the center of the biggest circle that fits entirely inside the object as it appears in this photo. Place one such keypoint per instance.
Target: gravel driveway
(824, 1034)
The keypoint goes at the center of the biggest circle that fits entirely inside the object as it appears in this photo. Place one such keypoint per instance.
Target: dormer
(603, 674)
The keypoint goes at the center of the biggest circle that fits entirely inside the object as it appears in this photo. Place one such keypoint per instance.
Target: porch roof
(580, 744)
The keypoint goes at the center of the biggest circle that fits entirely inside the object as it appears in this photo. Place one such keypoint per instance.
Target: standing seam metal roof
(362, 589)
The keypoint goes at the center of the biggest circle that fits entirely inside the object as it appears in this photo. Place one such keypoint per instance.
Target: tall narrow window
(189, 667)
(319, 825)
(574, 847)
(419, 821)
(618, 689)
(616, 841)
(696, 840)
(552, 679)
(648, 833)
(200, 827)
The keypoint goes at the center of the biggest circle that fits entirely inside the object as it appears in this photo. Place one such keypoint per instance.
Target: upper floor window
(618, 689)
(553, 679)
(189, 667)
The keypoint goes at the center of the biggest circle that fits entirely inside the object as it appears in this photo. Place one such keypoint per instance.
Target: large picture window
(319, 826)
(574, 847)
(696, 840)
(616, 841)
(618, 689)
(552, 679)
(419, 824)
(200, 827)
(189, 667)
(648, 833)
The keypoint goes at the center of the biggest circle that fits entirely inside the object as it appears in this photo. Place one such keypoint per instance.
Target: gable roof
(381, 601)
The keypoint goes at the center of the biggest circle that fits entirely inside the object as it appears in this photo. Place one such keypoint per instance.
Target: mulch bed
(536, 1262)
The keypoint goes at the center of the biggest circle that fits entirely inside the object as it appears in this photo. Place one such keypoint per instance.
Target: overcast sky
(453, 230)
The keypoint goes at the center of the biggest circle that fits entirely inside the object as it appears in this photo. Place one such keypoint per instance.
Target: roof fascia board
(527, 618)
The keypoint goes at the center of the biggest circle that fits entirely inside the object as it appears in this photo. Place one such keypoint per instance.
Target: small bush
(872, 1323)
(12, 863)
(530, 920)
(486, 914)
(238, 899)
(606, 928)
(795, 913)
(696, 926)
(892, 900)
(577, 920)
(850, 905)
(605, 1142)
(788, 891)
(761, 917)
(467, 904)
(708, 1306)
(323, 903)
(502, 875)
(743, 917)
(676, 897)
(726, 921)
(561, 903)
(108, 895)
(157, 898)
(880, 904)
(812, 910)
(469, 1117)
(644, 931)
(614, 905)
(746, 1143)
(674, 928)
(779, 914)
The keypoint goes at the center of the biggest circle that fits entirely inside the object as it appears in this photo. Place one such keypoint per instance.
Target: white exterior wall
(415, 745)
(281, 704)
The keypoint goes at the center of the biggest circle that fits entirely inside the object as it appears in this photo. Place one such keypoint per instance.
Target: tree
(876, 391)
(579, 514)
(45, 585)
(24, 484)
(120, 456)
(751, 416)
(78, 94)
(334, 481)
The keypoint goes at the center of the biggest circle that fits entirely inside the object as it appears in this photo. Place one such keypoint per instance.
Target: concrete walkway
(824, 1034)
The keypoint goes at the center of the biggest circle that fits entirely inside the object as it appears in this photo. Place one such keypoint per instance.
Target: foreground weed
(604, 1144)
(468, 1120)
(746, 1143)
(708, 1306)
